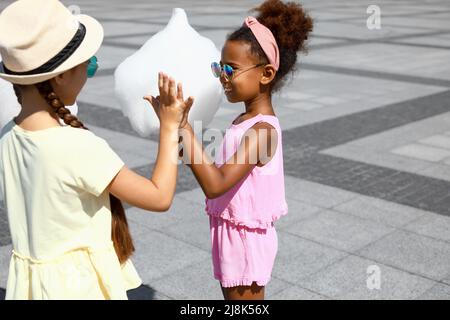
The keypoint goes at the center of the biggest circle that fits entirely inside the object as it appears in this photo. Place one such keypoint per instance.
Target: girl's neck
(35, 113)
(260, 104)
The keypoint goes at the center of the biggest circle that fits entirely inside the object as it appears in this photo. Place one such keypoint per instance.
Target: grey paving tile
(195, 195)
(422, 152)
(437, 171)
(339, 230)
(409, 189)
(298, 258)
(297, 293)
(432, 225)
(228, 22)
(134, 151)
(424, 40)
(315, 194)
(405, 134)
(104, 117)
(5, 235)
(440, 141)
(298, 211)
(343, 129)
(356, 94)
(3, 214)
(419, 78)
(378, 210)
(193, 282)
(413, 253)
(117, 27)
(417, 21)
(347, 279)
(275, 286)
(180, 212)
(5, 240)
(5, 257)
(217, 35)
(387, 57)
(351, 31)
(382, 158)
(137, 230)
(129, 41)
(446, 280)
(192, 231)
(100, 90)
(110, 57)
(439, 292)
(158, 255)
(186, 181)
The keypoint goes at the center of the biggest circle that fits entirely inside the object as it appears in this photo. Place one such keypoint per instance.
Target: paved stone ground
(367, 153)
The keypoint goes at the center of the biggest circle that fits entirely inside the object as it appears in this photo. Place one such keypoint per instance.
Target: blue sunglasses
(228, 70)
(92, 67)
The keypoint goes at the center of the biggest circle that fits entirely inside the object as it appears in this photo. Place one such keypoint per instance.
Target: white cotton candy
(10, 107)
(179, 51)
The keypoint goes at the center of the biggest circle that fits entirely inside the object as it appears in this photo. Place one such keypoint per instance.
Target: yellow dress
(54, 186)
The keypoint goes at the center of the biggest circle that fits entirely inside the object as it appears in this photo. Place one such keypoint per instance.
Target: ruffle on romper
(242, 282)
(230, 214)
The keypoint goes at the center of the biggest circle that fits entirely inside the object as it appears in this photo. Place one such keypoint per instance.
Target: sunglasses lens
(228, 71)
(92, 67)
(216, 69)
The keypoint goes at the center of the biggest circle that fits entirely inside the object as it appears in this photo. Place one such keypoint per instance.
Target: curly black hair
(290, 25)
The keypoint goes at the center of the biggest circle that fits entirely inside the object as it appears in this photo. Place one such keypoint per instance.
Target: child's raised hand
(170, 106)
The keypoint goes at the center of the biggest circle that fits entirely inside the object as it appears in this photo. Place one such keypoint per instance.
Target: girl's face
(68, 85)
(245, 84)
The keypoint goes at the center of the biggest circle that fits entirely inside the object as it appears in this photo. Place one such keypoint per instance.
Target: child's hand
(170, 106)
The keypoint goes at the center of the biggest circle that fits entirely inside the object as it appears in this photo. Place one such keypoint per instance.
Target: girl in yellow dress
(62, 185)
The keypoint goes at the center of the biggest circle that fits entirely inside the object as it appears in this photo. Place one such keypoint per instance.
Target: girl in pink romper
(244, 241)
(245, 186)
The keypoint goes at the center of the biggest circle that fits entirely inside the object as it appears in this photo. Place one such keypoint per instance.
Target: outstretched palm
(169, 96)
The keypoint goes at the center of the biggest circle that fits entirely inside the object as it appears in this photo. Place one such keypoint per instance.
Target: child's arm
(157, 193)
(216, 181)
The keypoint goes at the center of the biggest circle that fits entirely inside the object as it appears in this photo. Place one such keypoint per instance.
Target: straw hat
(40, 39)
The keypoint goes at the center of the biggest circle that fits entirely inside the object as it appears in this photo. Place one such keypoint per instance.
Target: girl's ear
(60, 79)
(268, 74)
(64, 78)
(60, 84)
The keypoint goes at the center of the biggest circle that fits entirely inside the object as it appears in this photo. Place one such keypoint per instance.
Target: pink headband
(265, 39)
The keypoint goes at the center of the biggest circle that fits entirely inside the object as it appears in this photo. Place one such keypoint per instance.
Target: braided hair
(46, 91)
(120, 233)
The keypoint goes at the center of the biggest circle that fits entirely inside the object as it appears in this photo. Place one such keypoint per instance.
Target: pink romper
(243, 237)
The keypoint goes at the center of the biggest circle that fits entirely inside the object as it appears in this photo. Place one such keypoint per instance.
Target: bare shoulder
(267, 139)
(263, 125)
(264, 130)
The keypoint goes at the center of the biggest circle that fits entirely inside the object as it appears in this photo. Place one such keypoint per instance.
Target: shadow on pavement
(141, 293)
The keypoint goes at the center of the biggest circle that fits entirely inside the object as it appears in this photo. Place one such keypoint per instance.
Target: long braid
(46, 91)
(123, 243)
